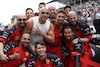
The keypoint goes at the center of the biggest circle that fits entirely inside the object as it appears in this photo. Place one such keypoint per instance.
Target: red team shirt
(24, 57)
(12, 35)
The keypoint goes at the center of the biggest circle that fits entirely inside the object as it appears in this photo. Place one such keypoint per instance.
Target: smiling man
(76, 49)
(40, 28)
(12, 34)
(43, 59)
(18, 53)
(58, 26)
(29, 13)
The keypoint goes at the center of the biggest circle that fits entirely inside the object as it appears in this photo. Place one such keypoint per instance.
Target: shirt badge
(47, 61)
(27, 53)
(17, 37)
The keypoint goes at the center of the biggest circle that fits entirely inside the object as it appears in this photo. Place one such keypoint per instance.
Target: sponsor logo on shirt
(27, 53)
(17, 37)
(47, 61)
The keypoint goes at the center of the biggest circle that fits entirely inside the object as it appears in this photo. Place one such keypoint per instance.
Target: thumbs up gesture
(15, 56)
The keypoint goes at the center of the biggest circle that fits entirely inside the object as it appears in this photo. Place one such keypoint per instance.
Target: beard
(24, 46)
(22, 25)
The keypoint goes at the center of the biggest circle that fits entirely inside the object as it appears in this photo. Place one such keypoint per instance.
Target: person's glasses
(21, 19)
(45, 12)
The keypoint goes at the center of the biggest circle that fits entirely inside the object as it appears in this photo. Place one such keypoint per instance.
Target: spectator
(92, 28)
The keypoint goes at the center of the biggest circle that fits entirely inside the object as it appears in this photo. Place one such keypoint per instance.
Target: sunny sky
(8, 8)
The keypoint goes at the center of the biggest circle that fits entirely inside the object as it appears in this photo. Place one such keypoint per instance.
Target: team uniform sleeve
(86, 30)
(7, 36)
(55, 60)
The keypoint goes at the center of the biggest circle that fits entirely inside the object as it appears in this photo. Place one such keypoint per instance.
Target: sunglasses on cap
(21, 19)
(44, 12)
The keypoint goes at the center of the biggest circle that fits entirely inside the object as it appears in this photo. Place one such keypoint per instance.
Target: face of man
(52, 11)
(68, 34)
(43, 15)
(29, 13)
(25, 40)
(67, 10)
(21, 21)
(60, 18)
(72, 18)
(42, 5)
(40, 49)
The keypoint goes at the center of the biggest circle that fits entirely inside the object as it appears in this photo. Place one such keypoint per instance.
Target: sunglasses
(45, 12)
(21, 19)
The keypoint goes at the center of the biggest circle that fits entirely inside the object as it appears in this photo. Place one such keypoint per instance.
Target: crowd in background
(88, 10)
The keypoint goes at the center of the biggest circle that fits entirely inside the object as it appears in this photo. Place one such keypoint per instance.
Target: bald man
(81, 29)
(52, 11)
(19, 53)
(40, 28)
(12, 34)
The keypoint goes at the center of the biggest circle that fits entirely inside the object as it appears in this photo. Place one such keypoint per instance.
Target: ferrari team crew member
(81, 29)
(74, 49)
(52, 12)
(18, 53)
(58, 25)
(43, 59)
(12, 34)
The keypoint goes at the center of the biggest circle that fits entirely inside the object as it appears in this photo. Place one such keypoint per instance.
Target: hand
(75, 41)
(4, 58)
(10, 26)
(15, 56)
(38, 31)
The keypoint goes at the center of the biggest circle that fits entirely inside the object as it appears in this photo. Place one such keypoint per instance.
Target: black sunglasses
(22, 19)
(45, 12)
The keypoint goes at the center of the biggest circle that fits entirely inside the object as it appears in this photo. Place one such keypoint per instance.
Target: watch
(79, 41)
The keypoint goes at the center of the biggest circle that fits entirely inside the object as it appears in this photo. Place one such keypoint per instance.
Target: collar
(56, 27)
(44, 58)
(22, 47)
(18, 28)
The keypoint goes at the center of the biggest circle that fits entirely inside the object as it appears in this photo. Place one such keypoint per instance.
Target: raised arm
(28, 26)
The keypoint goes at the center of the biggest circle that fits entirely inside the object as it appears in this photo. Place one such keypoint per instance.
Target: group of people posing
(51, 39)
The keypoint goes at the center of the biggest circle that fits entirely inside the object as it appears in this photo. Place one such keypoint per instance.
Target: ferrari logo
(27, 53)
(17, 37)
(47, 61)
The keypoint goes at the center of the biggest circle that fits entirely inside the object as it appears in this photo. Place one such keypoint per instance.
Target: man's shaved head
(71, 13)
(21, 15)
(52, 11)
(72, 17)
(51, 7)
